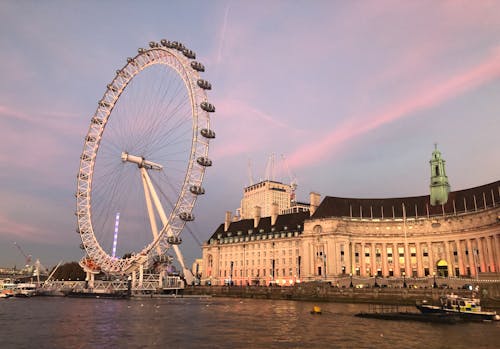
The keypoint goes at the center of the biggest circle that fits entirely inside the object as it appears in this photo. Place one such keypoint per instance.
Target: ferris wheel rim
(182, 64)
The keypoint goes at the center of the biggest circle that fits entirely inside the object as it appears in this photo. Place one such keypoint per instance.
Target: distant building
(444, 233)
(264, 194)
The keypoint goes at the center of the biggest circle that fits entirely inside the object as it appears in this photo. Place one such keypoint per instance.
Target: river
(61, 322)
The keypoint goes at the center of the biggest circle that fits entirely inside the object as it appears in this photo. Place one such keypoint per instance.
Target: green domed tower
(440, 188)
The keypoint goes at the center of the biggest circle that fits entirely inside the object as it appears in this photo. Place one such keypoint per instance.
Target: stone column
(362, 260)
(448, 259)
(352, 258)
(480, 251)
(491, 254)
(420, 269)
(485, 252)
(432, 266)
(460, 258)
(496, 249)
(373, 258)
(395, 258)
(472, 264)
(385, 266)
(407, 259)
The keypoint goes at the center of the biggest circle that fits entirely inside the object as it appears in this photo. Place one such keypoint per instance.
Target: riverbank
(323, 292)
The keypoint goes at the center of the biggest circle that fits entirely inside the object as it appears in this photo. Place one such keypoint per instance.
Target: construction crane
(27, 258)
(293, 179)
(250, 174)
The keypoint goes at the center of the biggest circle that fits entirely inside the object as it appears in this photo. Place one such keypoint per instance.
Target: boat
(94, 294)
(316, 310)
(469, 309)
(7, 290)
(25, 290)
(409, 316)
(6, 293)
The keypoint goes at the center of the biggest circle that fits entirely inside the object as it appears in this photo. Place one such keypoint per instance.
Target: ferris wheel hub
(141, 162)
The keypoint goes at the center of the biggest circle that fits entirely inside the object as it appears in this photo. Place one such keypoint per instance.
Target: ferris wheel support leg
(149, 205)
(187, 273)
(90, 279)
(160, 281)
(141, 275)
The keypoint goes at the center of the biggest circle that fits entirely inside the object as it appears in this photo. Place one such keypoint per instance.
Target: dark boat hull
(421, 317)
(110, 295)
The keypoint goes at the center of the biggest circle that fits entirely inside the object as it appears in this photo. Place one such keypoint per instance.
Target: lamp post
(324, 264)
(435, 285)
(404, 280)
(350, 285)
(231, 275)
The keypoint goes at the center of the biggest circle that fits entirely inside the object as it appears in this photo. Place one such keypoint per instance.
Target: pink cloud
(429, 96)
(18, 230)
(248, 127)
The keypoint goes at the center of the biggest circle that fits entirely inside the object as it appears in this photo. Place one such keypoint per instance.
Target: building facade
(443, 234)
(405, 236)
(264, 194)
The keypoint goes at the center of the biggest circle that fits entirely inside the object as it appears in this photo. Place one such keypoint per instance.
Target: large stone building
(444, 233)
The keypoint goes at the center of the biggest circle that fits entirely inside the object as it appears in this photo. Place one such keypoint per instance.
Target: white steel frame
(173, 225)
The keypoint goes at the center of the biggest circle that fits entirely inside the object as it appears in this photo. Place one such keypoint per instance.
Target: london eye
(143, 160)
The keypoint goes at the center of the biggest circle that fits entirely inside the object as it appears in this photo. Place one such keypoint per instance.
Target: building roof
(291, 222)
(460, 201)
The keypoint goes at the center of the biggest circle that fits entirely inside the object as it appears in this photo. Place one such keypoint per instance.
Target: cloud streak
(429, 96)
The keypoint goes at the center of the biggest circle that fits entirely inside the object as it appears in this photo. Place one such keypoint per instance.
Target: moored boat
(468, 309)
(107, 295)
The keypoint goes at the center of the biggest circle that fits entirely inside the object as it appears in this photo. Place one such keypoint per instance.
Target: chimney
(256, 216)
(227, 220)
(274, 213)
(314, 199)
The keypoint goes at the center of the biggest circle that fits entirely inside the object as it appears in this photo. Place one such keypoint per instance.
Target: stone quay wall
(324, 292)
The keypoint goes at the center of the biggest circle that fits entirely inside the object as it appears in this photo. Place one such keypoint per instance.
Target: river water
(60, 322)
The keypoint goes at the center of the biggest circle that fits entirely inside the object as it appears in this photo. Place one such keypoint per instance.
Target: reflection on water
(219, 323)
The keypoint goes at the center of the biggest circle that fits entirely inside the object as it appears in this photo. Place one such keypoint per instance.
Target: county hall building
(274, 239)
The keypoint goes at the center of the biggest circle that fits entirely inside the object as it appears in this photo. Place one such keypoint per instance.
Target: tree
(69, 271)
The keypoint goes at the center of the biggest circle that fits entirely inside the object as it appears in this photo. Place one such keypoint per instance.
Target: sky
(353, 94)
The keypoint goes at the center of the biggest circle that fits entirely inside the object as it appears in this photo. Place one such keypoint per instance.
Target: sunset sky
(354, 94)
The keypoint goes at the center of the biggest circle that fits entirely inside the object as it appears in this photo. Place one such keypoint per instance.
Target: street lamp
(324, 264)
(435, 285)
(404, 279)
(350, 275)
(231, 275)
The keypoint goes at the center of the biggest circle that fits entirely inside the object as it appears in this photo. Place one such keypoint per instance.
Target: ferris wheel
(144, 159)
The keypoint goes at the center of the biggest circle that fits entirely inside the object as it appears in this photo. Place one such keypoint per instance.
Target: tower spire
(439, 187)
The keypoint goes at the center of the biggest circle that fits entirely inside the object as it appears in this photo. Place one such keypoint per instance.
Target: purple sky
(354, 94)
